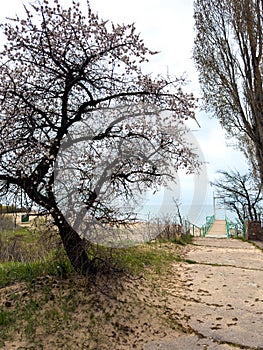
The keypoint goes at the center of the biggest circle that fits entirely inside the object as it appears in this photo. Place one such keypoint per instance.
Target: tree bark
(74, 247)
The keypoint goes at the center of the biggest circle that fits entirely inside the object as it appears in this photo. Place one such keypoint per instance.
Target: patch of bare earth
(114, 312)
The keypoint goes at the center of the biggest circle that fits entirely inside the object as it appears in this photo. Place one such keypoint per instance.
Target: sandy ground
(211, 301)
(108, 313)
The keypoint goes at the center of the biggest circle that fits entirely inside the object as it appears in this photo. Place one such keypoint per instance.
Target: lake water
(194, 213)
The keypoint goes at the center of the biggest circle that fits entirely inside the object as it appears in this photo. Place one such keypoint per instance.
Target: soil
(103, 312)
(211, 300)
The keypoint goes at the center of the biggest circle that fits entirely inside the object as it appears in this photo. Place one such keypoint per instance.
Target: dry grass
(26, 243)
(45, 305)
(99, 312)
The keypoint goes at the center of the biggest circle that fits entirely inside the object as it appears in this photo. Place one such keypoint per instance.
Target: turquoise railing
(235, 229)
(229, 228)
(208, 224)
(195, 230)
(244, 233)
(192, 229)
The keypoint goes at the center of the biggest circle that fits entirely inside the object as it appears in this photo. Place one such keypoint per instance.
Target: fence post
(227, 227)
(243, 229)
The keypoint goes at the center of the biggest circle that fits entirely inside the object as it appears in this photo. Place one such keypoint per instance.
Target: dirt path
(222, 298)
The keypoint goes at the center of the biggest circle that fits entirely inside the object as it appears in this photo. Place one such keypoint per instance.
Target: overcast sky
(167, 26)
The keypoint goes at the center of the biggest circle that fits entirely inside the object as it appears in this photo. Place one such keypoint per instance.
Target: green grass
(149, 256)
(50, 293)
(6, 318)
(184, 240)
(255, 245)
(11, 232)
(11, 272)
(44, 304)
(181, 240)
(33, 303)
(241, 238)
(133, 260)
(23, 232)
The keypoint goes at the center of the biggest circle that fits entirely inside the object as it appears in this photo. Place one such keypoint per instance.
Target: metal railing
(235, 229)
(195, 230)
(208, 224)
(192, 229)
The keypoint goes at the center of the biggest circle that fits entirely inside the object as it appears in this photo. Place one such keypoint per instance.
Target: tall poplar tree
(228, 55)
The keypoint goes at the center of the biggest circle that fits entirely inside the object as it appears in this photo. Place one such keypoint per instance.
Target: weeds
(49, 295)
(151, 256)
(11, 272)
(184, 239)
(26, 244)
(37, 307)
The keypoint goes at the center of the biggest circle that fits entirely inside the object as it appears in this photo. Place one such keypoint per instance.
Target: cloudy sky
(167, 26)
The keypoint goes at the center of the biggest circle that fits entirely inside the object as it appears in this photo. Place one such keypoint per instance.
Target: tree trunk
(74, 247)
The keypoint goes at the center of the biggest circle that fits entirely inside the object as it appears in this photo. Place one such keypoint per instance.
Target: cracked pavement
(221, 298)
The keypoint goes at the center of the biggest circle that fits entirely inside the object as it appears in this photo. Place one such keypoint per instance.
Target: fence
(191, 229)
(208, 224)
(202, 231)
(235, 229)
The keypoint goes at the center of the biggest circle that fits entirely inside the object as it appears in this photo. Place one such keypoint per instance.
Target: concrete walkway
(222, 297)
(218, 229)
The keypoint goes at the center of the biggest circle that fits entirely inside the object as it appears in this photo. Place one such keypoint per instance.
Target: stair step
(218, 229)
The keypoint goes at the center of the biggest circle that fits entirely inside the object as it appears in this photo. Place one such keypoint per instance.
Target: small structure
(25, 218)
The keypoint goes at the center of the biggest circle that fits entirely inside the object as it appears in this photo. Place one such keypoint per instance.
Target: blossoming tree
(63, 73)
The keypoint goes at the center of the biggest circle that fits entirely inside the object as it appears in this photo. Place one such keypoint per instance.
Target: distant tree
(178, 209)
(228, 55)
(239, 194)
(62, 74)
